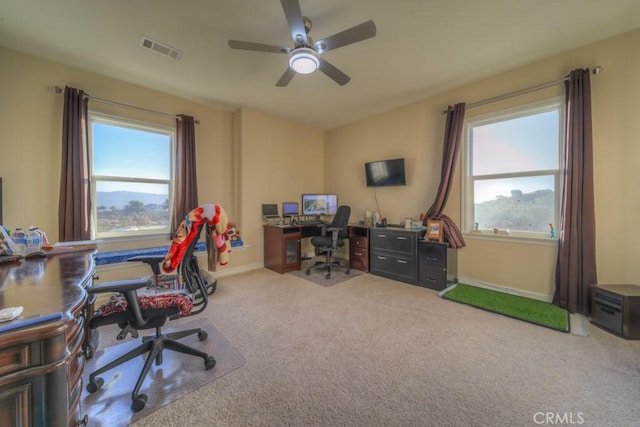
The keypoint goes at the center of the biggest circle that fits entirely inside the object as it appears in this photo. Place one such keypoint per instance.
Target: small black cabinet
(436, 265)
(616, 308)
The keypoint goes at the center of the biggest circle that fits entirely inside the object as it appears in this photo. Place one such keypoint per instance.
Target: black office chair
(327, 243)
(133, 312)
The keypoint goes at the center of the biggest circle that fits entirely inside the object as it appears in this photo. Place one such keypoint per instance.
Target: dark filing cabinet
(394, 253)
(436, 265)
(616, 308)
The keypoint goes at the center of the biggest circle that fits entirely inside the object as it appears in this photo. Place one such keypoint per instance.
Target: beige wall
(416, 133)
(31, 133)
(280, 160)
(247, 158)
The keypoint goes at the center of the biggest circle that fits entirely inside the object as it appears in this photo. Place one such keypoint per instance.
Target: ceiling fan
(304, 57)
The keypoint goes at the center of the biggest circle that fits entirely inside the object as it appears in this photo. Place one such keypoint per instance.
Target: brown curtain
(186, 185)
(74, 204)
(576, 262)
(451, 151)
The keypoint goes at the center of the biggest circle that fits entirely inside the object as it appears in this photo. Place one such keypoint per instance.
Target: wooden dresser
(42, 352)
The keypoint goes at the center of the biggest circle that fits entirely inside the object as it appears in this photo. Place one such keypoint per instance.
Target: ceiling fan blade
(364, 31)
(260, 47)
(286, 77)
(294, 19)
(335, 74)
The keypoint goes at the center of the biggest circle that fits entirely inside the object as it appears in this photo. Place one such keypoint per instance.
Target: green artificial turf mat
(531, 310)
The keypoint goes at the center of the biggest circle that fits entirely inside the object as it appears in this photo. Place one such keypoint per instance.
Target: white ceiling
(422, 47)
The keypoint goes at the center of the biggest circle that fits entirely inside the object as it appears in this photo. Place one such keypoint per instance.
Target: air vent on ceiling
(160, 48)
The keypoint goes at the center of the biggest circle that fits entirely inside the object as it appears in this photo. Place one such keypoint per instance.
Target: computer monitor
(319, 204)
(270, 210)
(290, 209)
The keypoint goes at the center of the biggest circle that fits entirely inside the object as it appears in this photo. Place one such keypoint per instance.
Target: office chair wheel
(202, 335)
(347, 271)
(209, 363)
(211, 288)
(89, 352)
(308, 272)
(138, 402)
(328, 276)
(94, 384)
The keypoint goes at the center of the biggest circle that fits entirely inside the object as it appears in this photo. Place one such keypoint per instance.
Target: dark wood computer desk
(42, 351)
(282, 245)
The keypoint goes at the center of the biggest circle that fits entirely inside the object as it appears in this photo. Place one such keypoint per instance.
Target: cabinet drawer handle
(382, 257)
(382, 235)
(401, 261)
(429, 279)
(401, 238)
(608, 311)
(431, 258)
(357, 253)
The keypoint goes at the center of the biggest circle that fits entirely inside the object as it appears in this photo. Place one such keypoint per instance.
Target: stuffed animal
(216, 221)
(233, 232)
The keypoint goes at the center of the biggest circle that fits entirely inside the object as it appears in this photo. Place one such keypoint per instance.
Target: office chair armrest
(335, 232)
(119, 286)
(154, 261)
(324, 227)
(128, 289)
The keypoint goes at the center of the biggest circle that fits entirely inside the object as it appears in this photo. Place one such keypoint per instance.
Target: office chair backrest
(341, 220)
(190, 272)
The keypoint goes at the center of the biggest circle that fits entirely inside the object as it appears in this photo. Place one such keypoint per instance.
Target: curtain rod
(597, 70)
(120, 104)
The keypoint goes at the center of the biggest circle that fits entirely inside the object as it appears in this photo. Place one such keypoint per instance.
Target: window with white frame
(513, 167)
(131, 177)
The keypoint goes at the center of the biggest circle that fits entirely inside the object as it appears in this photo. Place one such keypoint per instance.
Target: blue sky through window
(528, 143)
(131, 153)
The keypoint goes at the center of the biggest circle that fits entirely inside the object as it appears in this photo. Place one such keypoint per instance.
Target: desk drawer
(359, 259)
(359, 242)
(394, 241)
(394, 267)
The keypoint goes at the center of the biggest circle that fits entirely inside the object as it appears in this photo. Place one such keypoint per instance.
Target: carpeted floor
(318, 276)
(375, 352)
(178, 375)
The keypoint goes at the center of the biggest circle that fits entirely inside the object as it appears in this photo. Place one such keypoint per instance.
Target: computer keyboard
(311, 222)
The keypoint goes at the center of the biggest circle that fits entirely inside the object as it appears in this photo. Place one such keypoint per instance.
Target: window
(131, 177)
(513, 166)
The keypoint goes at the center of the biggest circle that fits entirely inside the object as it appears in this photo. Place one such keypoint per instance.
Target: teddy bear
(216, 221)
(233, 232)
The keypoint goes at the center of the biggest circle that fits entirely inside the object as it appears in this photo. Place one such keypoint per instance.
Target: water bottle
(34, 240)
(20, 239)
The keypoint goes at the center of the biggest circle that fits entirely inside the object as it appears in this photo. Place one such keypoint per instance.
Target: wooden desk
(282, 245)
(41, 352)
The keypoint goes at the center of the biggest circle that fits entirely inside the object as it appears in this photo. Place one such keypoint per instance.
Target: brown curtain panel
(186, 185)
(576, 262)
(451, 152)
(74, 204)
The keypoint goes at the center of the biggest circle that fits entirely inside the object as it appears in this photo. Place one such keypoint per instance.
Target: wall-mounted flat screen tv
(385, 173)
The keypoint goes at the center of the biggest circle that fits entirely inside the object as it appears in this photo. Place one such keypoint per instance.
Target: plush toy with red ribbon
(216, 221)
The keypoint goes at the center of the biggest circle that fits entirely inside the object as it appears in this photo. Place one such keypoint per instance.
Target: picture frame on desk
(434, 230)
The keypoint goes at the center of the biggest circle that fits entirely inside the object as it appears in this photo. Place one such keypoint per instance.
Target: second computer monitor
(290, 208)
(319, 204)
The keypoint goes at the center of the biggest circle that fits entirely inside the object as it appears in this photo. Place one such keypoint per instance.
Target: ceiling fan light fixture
(303, 60)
